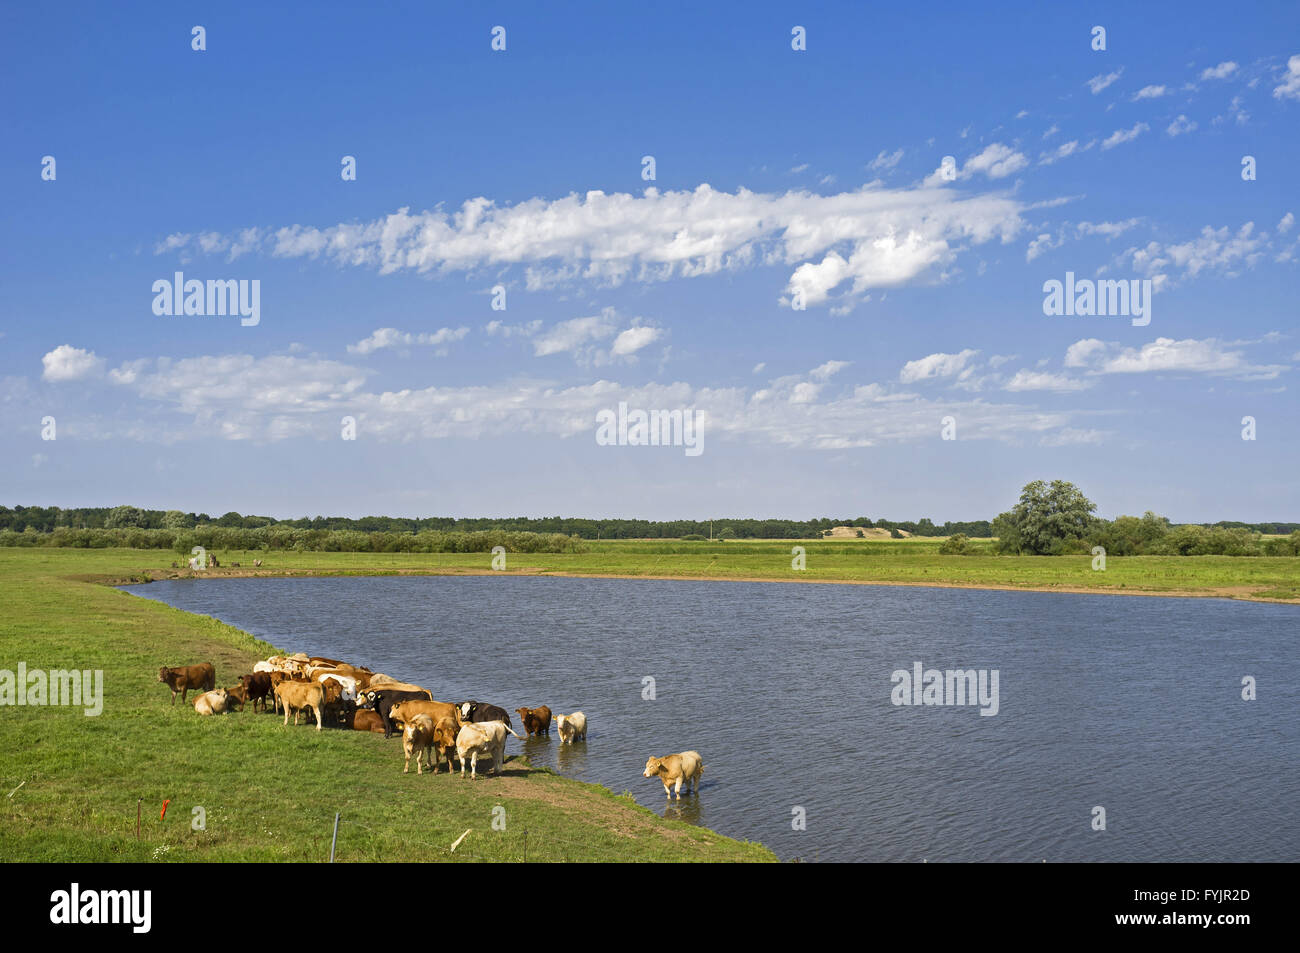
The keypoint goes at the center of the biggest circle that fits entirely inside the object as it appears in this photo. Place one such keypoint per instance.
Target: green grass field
(70, 784)
(270, 792)
(898, 562)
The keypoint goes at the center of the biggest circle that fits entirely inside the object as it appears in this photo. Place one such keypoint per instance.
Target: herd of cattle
(355, 698)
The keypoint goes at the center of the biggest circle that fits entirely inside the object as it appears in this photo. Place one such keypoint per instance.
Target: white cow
(487, 738)
(571, 727)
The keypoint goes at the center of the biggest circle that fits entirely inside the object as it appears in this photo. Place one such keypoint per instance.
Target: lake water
(1126, 703)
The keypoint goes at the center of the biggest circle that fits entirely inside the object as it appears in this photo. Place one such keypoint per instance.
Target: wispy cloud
(1120, 136)
(1102, 80)
(392, 338)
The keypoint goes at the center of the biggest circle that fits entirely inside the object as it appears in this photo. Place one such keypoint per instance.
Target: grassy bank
(903, 562)
(269, 792)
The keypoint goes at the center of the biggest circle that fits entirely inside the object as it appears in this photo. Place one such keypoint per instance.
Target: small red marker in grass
(164, 810)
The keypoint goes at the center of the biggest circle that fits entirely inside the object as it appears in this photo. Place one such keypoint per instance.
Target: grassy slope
(270, 792)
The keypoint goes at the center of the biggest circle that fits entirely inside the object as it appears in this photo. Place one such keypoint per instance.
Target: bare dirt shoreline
(1240, 593)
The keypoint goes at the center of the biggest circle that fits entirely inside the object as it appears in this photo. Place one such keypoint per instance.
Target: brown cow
(255, 686)
(198, 677)
(536, 721)
(236, 695)
(334, 703)
(297, 696)
(362, 719)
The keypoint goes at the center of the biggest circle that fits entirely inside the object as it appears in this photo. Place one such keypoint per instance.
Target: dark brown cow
(256, 686)
(199, 677)
(536, 721)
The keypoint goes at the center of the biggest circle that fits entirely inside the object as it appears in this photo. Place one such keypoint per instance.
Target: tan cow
(278, 679)
(674, 769)
(571, 727)
(444, 742)
(417, 739)
(382, 683)
(405, 711)
(212, 703)
(296, 696)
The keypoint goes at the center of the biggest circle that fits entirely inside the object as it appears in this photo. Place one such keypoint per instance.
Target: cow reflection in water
(688, 811)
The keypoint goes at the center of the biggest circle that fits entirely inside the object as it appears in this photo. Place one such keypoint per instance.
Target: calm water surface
(1132, 704)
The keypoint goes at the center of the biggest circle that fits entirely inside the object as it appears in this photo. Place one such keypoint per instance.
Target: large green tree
(1047, 519)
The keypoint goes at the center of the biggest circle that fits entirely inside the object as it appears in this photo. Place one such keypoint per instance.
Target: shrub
(955, 545)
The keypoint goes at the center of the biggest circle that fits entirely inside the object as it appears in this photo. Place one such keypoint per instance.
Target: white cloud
(997, 161)
(828, 370)
(1166, 355)
(891, 236)
(1216, 250)
(802, 167)
(1180, 125)
(935, 366)
(241, 397)
(1222, 71)
(1108, 230)
(1081, 353)
(884, 161)
(68, 363)
(1040, 380)
(758, 368)
(574, 334)
(1068, 436)
(1052, 130)
(633, 339)
(1285, 224)
(1289, 88)
(1121, 135)
(498, 328)
(1102, 80)
(580, 337)
(1043, 243)
(1150, 92)
(392, 338)
(1063, 151)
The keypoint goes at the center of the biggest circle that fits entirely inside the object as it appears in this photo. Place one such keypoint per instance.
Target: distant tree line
(1049, 519)
(46, 519)
(281, 537)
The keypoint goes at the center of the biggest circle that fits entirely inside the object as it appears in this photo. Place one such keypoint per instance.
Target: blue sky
(778, 174)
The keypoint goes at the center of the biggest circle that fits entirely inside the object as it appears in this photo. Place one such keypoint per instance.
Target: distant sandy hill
(851, 532)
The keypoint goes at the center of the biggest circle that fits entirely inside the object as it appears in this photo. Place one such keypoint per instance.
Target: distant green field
(70, 785)
(901, 562)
